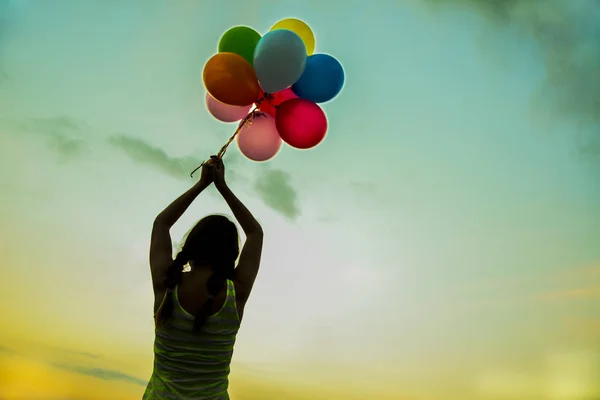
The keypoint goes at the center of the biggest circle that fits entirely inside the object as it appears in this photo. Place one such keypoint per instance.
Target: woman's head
(214, 243)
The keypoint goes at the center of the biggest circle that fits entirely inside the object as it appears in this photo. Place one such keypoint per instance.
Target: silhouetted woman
(198, 313)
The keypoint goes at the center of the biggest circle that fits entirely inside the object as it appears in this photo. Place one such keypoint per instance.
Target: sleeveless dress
(192, 365)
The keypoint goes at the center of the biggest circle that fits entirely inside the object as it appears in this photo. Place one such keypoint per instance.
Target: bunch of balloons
(273, 84)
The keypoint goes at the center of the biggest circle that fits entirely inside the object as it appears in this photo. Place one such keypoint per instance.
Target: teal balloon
(241, 40)
(279, 60)
(322, 80)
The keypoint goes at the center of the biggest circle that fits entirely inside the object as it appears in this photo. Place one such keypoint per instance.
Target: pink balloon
(225, 112)
(301, 123)
(259, 140)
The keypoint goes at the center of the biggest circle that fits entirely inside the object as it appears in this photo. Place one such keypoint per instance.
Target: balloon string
(221, 153)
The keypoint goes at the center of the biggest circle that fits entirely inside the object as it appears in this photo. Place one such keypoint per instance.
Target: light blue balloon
(322, 80)
(279, 60)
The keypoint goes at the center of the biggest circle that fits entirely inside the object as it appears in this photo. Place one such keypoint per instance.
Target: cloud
(568, 35)
(146, 154)
(363, 187)
(591, 149)
(5, 21)
(101, 373)
(590, 326)
(80, 353)
(149, 155)
(585, 330)
(7, 351)
(579, 283)
(275, 190)
(66, 137)
(272, 185)
(579, 293)
(63, 134)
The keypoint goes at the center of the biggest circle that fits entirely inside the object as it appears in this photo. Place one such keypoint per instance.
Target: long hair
(213, 242)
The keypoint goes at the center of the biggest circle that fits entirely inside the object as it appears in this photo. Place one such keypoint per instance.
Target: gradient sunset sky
(442, 243)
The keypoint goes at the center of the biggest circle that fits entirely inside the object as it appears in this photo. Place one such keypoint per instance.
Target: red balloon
(269, 105)
(301, 123)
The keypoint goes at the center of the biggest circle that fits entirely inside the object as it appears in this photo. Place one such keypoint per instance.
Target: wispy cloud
(147, 154)
(78, 353)
(5, 20)
(591, 149)
(582, 273)
(578, 293)
(272, 185)
(66, 136)
(363, 187)
(63, 134)
(584, 329)
(101, 373)
(144, 153)
(275, 189)
(7, 351)
(589, 325)
(567, 33)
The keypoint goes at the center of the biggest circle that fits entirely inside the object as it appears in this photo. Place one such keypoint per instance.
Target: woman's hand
(218, 173)
(206, 176)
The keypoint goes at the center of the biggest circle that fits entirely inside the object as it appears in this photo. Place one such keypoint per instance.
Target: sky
(441, 243)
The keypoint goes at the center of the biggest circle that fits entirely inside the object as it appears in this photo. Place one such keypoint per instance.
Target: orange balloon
(230, 79)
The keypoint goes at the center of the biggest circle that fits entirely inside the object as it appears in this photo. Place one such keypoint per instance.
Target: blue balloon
(279, 60)
(322, 80)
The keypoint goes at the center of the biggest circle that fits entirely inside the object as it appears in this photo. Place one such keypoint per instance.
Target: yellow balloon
(301, 29)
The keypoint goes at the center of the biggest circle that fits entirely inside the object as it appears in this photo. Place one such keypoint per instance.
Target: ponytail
(172, 279)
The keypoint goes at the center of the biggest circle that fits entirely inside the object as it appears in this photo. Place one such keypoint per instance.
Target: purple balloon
(259, 140)
(226, 112)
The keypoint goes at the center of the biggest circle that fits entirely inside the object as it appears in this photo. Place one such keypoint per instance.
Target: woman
(198, 313)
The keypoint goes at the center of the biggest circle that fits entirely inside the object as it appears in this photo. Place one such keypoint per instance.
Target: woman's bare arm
(249, 262)
(161, 246)
(247, 221)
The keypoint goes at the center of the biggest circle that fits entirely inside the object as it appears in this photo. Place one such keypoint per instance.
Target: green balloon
(240, 40)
